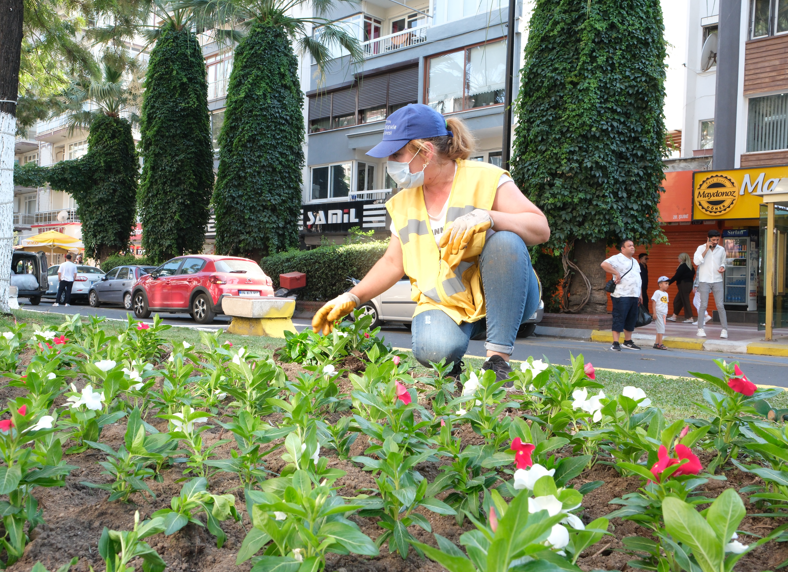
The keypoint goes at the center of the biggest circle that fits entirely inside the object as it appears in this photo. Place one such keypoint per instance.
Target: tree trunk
(588, 256)
(11, 14)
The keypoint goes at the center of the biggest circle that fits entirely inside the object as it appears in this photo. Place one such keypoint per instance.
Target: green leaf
(276, 564)
(569, 468)
(687, 526)
(9, 479)
(401, 538)
(349, 537)
(173, 522)
(254, 541)
(438, 507)
(450, 562)
(725, 514)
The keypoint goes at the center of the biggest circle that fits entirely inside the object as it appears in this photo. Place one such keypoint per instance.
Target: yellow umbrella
(51, 238)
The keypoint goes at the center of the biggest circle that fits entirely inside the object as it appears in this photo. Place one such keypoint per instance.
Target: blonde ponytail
(460, 145)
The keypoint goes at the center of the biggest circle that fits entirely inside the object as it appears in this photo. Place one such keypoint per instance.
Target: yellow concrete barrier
(264, 316)
(767, 349)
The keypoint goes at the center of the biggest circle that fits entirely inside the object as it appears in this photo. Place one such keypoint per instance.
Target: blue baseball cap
(414, 121)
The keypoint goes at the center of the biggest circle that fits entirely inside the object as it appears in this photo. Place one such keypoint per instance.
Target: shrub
(327, 267)
(124, 260)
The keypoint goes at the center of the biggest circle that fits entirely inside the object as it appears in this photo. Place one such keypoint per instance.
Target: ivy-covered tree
(257, 198)
(590, 135)
(177, 175)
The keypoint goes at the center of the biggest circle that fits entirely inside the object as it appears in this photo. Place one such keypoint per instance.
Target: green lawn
(676, 397)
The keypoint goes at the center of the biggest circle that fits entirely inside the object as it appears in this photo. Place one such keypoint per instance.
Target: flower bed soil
(76, 514)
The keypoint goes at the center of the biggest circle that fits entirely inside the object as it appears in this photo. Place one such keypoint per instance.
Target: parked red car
(197, 284)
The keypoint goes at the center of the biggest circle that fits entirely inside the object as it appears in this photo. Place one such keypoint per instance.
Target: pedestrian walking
(626, 296)
(643, 262)
(660, 299)
(696, 303)
(710, 259)
(66, 274)
(685, 280)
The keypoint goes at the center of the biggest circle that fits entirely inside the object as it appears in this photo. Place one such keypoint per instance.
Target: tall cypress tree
(590, 135)
(177, 175)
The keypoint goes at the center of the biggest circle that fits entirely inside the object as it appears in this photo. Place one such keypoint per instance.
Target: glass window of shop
(767, 123)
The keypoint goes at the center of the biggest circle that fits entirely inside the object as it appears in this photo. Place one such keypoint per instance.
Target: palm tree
(257, 197)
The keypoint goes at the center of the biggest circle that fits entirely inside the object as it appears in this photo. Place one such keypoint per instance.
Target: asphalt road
(763, 370)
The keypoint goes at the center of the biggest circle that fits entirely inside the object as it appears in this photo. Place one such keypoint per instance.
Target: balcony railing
(21, 218)
(398, 41)
(374, 195)
(50, 217)
(52, 124)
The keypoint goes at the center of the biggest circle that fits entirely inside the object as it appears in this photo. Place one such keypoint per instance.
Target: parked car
(87, 276)
(29, 275)
(396, 305)
(115, 286)
(197, 284)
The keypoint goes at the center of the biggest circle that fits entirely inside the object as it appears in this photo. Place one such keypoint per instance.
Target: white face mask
(400, 174)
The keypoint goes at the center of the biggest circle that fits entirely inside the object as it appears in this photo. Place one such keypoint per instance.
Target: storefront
(774, 237)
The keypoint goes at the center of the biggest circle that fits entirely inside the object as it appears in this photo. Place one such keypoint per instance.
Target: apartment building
(448, 54)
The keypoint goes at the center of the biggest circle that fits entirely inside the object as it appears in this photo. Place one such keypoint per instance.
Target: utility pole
(508, 96)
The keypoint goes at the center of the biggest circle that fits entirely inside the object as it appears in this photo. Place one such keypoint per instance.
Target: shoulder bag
(610, 287)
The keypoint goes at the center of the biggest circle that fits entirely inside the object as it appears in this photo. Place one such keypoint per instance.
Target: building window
(408, 22)
(767, 123)
(467, 79)
(363, 27)
(331, 181)
(218, 69)
(495, 158)
(768, 17)
(706, 134)
(365, 177)
(77, 150)
(30, 158)
(217, 120)
(30, 204)
(446, 11)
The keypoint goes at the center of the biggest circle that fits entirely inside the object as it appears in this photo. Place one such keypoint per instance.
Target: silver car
(87, 276)
(396, 305)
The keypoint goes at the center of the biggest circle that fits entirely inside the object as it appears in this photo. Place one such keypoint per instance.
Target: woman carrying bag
(684, 279)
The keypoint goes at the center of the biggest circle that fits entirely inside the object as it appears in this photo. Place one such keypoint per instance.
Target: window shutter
(404, 86)
(344, 102)
(319, 107)
(372, 91)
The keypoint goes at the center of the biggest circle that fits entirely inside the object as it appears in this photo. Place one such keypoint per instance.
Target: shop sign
(675, 204)
(733, 194)
(341, 217)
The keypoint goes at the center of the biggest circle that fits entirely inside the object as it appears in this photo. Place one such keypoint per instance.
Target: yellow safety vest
(434, 285)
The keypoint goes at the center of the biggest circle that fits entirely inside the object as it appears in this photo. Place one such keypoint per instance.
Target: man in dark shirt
(643, 261)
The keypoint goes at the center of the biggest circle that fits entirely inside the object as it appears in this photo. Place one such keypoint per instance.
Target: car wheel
(34, 300)
(141, 306)
(526, 330)
(93, 299)
(369, 310)
(201, 309)
(127, 300)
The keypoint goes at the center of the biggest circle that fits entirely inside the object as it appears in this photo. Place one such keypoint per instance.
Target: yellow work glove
(460, 232)
(332, 311)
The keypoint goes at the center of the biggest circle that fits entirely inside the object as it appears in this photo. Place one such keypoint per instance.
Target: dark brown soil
(75, 514)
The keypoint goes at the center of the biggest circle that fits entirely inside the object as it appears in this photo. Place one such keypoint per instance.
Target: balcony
(24, 219)
(393, 42)
(51, 217)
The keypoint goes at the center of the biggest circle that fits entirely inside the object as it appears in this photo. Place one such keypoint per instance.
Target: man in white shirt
(66, 275)
(626, 298)
(710, 260)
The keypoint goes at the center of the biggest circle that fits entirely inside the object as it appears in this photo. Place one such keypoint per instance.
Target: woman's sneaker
(616, 347)
(501, 367)
(630, 345)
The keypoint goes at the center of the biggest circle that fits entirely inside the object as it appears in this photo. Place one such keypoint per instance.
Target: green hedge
(327, 267)
(124, 260)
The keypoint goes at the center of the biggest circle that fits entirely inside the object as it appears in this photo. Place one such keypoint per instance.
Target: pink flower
(5, 425)
(141, 326)
(60, 341)
(22, 410)
(396, 360)
(522, 454)
(684, 432)
(590, 371)
(366, 335)
(402, 394)
(493, 519)
(740, 384)
(663, 463)
(692, 466)
(228, 344)
(443, 423)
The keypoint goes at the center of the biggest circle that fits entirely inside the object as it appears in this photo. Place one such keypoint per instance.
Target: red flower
(60, 341)
(493, 519)
(443, 423)
(22, 410)
(523, 452)
(366, 334)
(740, 384)
(396, 360)
(5, 425)
(692, 466)
(663, 463)
(23, 378)
(402, 394)
(42, 347)
(142, 326)
(590, 371)
(228, 344)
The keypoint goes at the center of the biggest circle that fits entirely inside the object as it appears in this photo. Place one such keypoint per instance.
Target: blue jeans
(511, 293)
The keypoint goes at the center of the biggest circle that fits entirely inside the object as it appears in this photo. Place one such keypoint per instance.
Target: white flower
(90, 399)
(636, 394)
(735, 546)
(537, 367)
(47, 334)
(461, 412)
(580, 397)
(278, 515)
(133, 374)
(51, 376)
(559, 537)
(237, 357)
(298, 554)
(594, 405)
(526, 478)
(342, 334)
(44, 423)
(573, 521)
(317, 451)
(471, 385)
(329, 370)
(171, 358)
(552, 505)
(186, 345)
(8, 335)
(105, 365)
(221, 395)
(186, 427)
